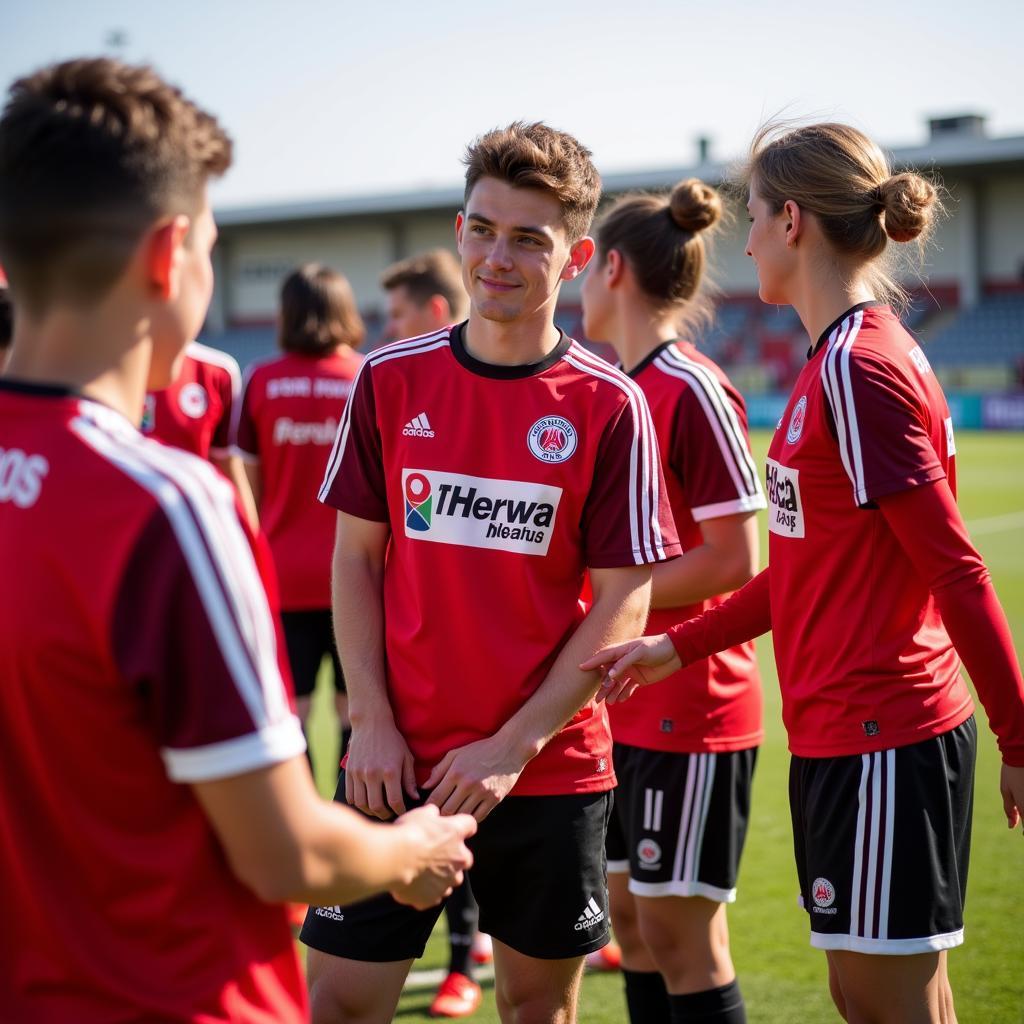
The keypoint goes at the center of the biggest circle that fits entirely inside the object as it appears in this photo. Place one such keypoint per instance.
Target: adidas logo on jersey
(592, 915)
(334, 913)
(418, 427)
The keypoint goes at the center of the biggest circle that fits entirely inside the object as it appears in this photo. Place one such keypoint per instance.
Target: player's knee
(334, 1003)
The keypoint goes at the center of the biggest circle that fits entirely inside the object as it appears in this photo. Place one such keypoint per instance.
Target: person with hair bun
(874, 592)
(290, 409)
(684, 753)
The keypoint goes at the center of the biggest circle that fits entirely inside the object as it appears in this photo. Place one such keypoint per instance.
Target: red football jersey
(138, 654)
(288, 420)
(701, 422)
(195, 411)
(501, 485)
(864, 660)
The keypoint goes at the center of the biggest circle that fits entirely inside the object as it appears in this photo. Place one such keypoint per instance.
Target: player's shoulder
(871, 342)
(409, 357)
(213, 360)
(690, 370)
(605, 380)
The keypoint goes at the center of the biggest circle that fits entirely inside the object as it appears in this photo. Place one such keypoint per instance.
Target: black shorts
(538, 875)
(882, 844)
(680, 821)
(309, 635)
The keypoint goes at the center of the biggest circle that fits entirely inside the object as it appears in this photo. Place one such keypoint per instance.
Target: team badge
(418, 502)
(796, 421)
(649, 853)
(823, 893)
(193, 400)
(552, 439)
(148, 414)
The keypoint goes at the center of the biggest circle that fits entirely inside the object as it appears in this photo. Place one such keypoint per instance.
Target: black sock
(462, 914)
(646, 997)
(713, 1006)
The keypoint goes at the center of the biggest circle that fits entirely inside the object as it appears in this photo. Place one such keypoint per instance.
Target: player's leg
(533, 991)
(305, 652)
(539, 877)
(353, 991)
(687, 819)
(360, 954)
(882, 844)
(459, 995)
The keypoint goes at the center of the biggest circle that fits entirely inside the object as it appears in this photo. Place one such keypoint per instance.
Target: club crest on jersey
(479, 512)
(824, 894)
(552, 439)
(193, 400)
(796, 421)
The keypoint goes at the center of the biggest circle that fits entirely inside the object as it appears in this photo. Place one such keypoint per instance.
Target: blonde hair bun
(907, 200)
(695, 206)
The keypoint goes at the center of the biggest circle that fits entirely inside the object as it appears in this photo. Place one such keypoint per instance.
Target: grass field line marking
(432, 977)
(996, 524)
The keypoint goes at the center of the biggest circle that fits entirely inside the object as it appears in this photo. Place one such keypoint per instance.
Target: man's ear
(581, 253)
(440, 311)
(164, 255)
(460, 223)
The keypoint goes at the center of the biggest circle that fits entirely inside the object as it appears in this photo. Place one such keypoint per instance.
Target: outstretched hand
(632, 664)
(441, 855)
(1011, 785)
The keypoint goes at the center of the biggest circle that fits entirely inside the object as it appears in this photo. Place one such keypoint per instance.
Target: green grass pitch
(783, 979)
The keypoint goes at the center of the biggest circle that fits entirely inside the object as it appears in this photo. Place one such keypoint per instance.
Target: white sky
(339, 98)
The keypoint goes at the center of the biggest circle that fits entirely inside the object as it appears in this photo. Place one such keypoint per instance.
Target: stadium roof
(966, 153)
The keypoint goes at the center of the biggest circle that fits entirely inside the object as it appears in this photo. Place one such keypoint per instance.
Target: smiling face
(767, 246)
(515, 251)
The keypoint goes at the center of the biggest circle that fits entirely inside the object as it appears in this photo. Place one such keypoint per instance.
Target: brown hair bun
(695, 206)
(907, 200)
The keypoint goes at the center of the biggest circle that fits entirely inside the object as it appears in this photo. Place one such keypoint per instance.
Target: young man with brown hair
(539, 463)
(425, 293)
(154, 797)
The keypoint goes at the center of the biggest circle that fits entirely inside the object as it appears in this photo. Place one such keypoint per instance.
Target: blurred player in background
(196, 412)
(873, 588)
(154, 798)
(425, 293)
(478, 471)
(290, 409)
(684, 752)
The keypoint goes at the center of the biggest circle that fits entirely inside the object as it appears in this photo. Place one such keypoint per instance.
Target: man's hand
(379, 772)
(442, 855)
(475, 778)
(632, 664)
(1011, 785)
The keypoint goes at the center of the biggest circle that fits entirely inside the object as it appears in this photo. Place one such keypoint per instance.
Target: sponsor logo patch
(649, 854)
(785, 512)
(796, 421)
(193, 400)
(287, 431)
(552, 439)
(824, 894)
(418, 426)
(479, 512)
(148, 414)
(870, 728)
(21, 476)
(920, 360)
(334, 913)
(950, 439)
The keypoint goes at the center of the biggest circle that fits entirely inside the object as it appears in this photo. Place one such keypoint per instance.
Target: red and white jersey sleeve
(196, 412)
(501, 485)
(864, 660)
(701, 422)
(288, 420)
(138, 651)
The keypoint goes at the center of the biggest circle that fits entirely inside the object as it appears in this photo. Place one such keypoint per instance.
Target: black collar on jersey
(30, 387)
(649, 358)
(501, 372)
(838, 320)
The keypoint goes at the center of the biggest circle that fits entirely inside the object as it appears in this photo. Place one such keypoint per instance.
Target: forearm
(744, 616)
(618, 611)
(357, 602)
